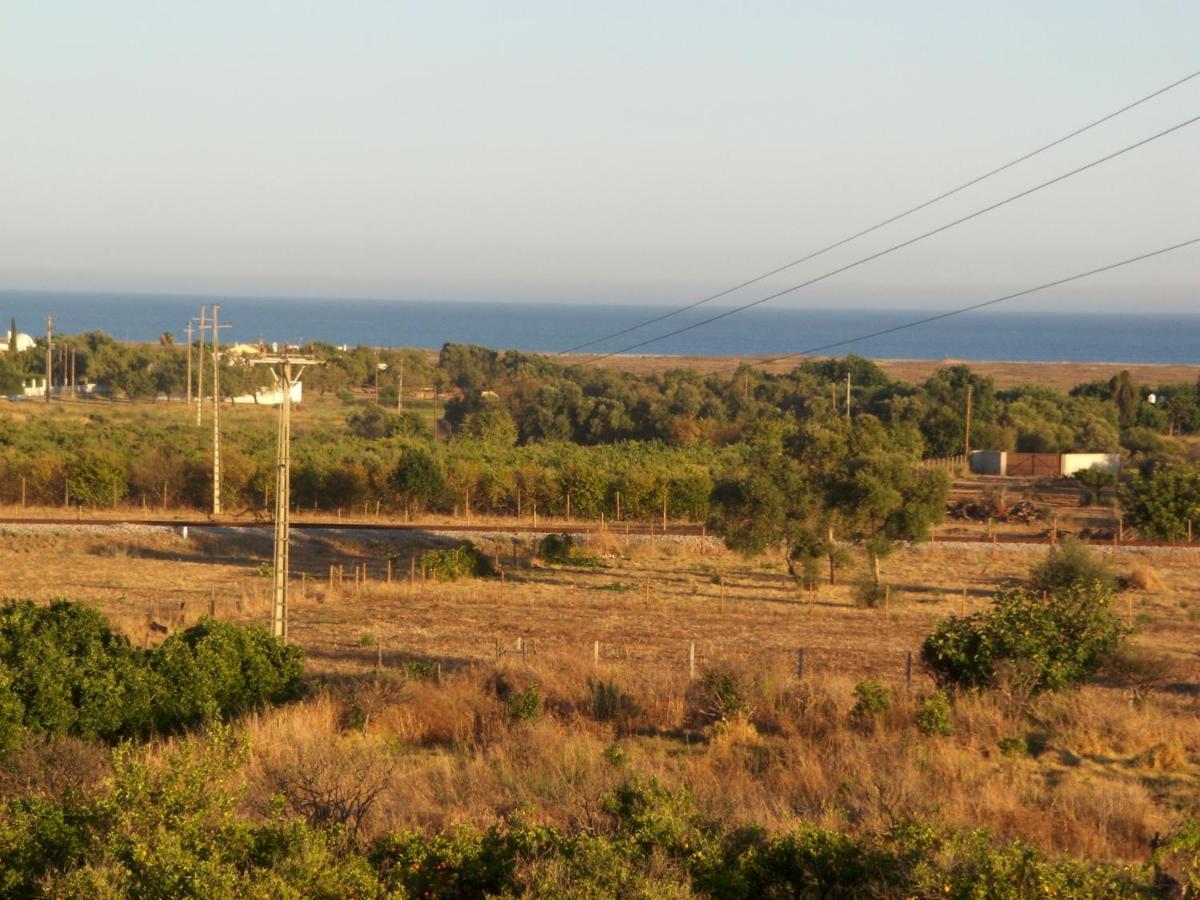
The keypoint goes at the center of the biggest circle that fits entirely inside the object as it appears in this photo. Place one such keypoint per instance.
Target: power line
(894, 247)
(965, 309)
(885, 222)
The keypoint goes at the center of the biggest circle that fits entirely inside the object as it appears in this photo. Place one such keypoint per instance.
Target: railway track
(622, 528)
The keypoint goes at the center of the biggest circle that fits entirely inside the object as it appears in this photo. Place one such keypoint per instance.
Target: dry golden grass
(1103, 777)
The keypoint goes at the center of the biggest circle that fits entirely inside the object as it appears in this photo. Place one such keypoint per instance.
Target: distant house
(24, 342)
(271, 396)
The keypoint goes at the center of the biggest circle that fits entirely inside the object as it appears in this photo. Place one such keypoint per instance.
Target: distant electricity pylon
(286, 364)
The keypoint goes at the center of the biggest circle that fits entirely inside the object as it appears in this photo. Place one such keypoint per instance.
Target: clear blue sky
(634, 152)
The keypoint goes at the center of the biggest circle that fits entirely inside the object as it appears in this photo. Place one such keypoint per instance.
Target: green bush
(1049, 644)
(933, 717)
(562, 549)
(64, 671)
(1161, 504)
(525, 705)
(556, 548)
(221, 669)
(872, 699)
(463, 561)
(1072, 565)
(722, 693)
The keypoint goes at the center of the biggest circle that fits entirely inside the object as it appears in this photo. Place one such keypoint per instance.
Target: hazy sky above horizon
(611, 152)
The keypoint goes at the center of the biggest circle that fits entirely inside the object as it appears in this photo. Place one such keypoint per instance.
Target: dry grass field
(413, 682)
(1061, 375)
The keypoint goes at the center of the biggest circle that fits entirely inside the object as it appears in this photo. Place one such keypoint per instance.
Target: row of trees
(516, 397)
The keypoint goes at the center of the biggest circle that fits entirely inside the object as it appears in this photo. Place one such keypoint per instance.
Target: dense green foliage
(525, 432)
(1028, 641)
(451, 564)
(63, 671)
(1162, 503)
(169, 829)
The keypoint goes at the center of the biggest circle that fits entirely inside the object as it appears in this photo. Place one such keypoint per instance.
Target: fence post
(908, 672)
(596, 653)
(212, 602)
(692, 660)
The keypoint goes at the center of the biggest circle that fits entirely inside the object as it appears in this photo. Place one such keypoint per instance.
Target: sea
(552, 328)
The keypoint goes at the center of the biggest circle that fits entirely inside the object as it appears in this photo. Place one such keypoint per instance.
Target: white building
(24, 342)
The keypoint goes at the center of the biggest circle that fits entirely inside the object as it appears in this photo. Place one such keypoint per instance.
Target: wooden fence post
(692, 660)
(908, 672)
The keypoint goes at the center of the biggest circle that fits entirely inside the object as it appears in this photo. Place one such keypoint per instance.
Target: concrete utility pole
(188, 331)
(216, 380)
(49, 353)
(283, 481)
(200, 372)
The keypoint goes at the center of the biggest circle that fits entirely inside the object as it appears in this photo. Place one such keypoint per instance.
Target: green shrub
(63, 671)
(563, 549)
(1072, 565)
(872, 699)
(872, 595)
(463, 561)
(556, 548)
(722, 693)
(1015, 747)
(1049, 644)
(933, 717)
(221, 669)
(525, 705)
(97, 478)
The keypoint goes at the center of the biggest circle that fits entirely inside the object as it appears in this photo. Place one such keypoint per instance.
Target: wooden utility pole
(49, 353)
(967, 429)
(400, 387)
(283, 481)
(200, 372)
(847, 396)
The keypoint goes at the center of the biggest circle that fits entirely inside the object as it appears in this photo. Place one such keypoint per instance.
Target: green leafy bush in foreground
(64, 671)
(167, 828)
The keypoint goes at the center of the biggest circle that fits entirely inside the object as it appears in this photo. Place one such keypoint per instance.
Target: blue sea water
(984, 335)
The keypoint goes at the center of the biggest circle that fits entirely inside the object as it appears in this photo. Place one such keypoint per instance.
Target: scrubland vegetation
(1055, 754)
(811, 703)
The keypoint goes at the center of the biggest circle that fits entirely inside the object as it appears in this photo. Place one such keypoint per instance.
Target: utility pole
(200, 372)
(188, 331)
(400, 387)
(49, 353)
(967, 429)
(283, 481)
(216, 380)
(847, 396)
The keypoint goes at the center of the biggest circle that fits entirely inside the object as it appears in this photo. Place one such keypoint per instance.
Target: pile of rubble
(1021, 512)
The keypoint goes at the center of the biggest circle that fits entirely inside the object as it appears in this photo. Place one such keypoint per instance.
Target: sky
(646, 153)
